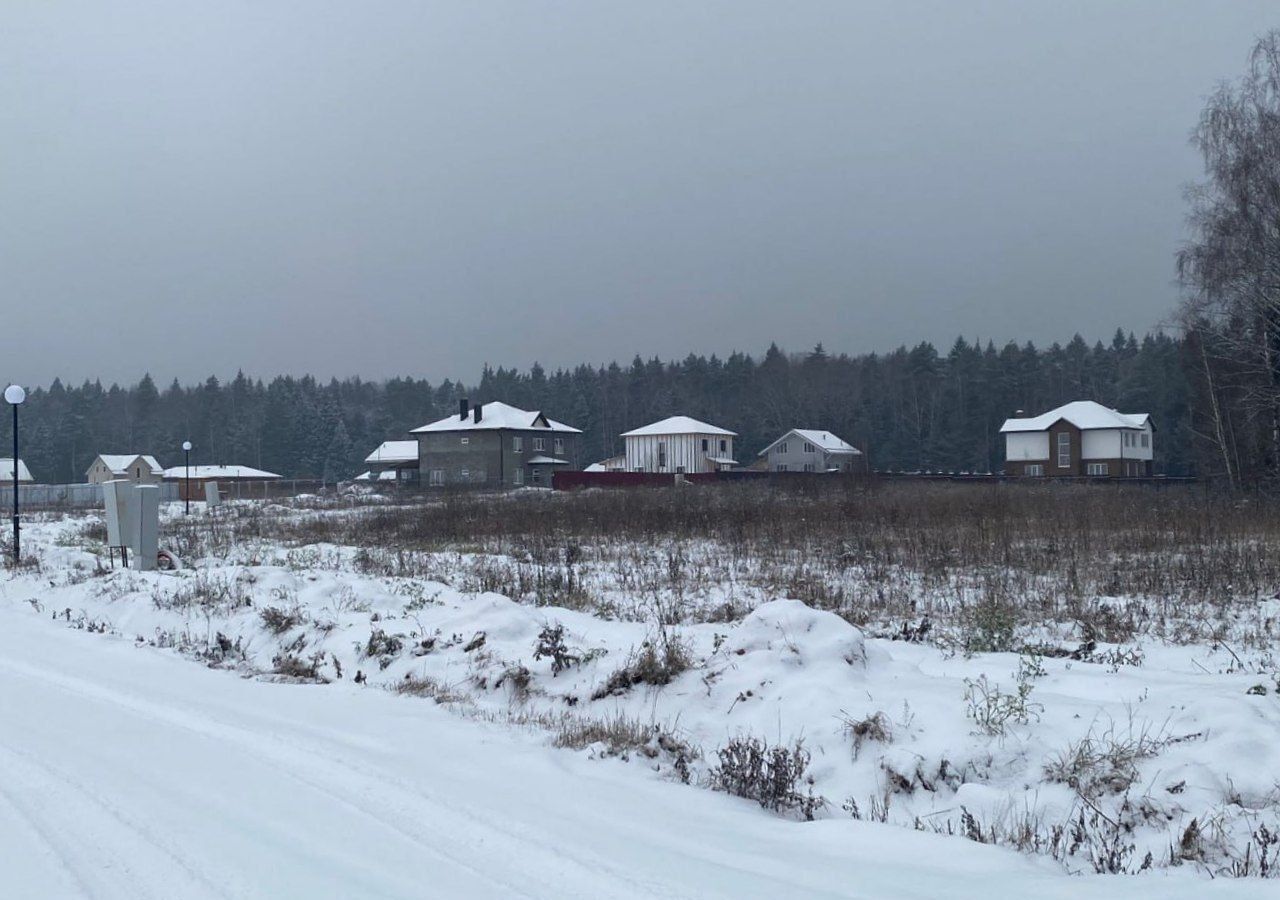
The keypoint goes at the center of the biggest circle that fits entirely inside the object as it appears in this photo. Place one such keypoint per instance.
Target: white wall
(1109, 444)
(1026, 445)
(683, 450)
(1102, 444)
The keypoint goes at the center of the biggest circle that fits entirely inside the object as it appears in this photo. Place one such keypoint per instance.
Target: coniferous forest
(912, 409)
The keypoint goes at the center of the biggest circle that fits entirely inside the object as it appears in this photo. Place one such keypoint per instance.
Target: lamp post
(186, 481)
(14, 395)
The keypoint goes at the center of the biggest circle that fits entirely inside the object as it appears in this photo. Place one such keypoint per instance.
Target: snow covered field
(357, 732)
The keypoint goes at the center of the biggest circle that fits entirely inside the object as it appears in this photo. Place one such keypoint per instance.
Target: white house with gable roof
(811, 450)
(1082, 438)
(136, 467)
(7, 473)
(679, 444)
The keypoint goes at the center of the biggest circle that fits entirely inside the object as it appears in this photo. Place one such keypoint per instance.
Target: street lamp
(14, 395)
(186, 485)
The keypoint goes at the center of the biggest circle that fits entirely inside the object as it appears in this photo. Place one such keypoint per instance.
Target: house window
(1097, 469)
(782, 467)
(1034, 470)
(680, 469)
(782, 448)
(1146, 440)
(1064, 450)
(537, 476)
(808, 448)
(466, 440)
(517, 444)
(539, 444)
(518, 476)
(808, 467)
(706, 445)
(662, 454)
(437, 477)
(724, 446)
(464, 475)
(558, 444)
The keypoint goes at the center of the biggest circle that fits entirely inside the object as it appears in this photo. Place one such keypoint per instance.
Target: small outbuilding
(395, 461)
(136, 467)
(612, 464)
(232, 481)
(811, 450)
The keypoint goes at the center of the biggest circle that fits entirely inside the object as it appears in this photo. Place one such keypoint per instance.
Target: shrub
(551, 644)
(1105, 763)
(994, 710)
(874, 727)
(293, 665)
(658, 662)
(278, 620)
(424, 686)
(382, 646)
(772, 776)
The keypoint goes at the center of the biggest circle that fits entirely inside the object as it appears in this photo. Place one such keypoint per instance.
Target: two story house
(1082, 438)
(495, 445)
(810, 450)
(679, 444)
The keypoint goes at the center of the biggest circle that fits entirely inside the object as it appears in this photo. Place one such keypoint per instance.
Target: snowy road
(132, 773)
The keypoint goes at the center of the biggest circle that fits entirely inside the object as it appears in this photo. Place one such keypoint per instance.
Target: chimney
(476, 410)
(462, 409)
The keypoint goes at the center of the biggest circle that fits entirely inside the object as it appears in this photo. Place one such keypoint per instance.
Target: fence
(250, 489)
(564, 481)
(66, 496)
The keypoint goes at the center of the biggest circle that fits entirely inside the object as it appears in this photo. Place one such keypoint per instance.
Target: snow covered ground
(368, 735)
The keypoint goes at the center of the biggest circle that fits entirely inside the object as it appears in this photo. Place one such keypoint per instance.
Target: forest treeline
(911, 409)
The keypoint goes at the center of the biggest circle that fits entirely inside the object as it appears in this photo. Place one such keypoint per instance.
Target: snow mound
(795, 635)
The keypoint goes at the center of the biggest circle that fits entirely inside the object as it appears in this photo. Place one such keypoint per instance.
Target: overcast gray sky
(418, 187)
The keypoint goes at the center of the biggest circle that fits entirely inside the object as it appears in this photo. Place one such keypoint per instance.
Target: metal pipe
(17, 528)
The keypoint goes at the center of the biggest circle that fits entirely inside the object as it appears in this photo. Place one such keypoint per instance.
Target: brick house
(1080, 439)
(495, 445)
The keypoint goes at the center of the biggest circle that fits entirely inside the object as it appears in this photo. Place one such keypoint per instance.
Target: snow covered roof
(394, 452)
(215, 472)
(6, 470)
(497, 415)
(119, 463)
(548, 461)
(612, 464)
(678, 425)
(823, 440)
(1084, 414)
(722, 460)
(388, 475)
